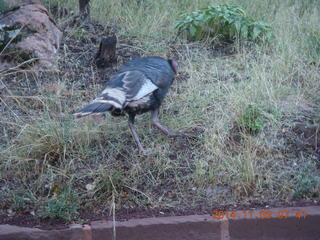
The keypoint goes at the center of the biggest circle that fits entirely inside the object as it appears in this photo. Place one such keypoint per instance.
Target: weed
(251, 120)
(225, 22)
(63, 205)
(308, 185)
(23, 201)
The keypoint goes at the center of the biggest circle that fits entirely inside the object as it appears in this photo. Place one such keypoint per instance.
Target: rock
(27, 32)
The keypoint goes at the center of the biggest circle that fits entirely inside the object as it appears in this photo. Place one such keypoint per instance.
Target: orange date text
(257, 214)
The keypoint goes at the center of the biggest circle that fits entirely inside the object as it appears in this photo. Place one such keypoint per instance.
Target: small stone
(10, 212)
(90, 187)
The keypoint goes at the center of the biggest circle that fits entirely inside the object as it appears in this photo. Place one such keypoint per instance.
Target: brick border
(195, 227)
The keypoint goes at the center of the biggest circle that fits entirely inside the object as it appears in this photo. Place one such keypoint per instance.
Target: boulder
(28, 36)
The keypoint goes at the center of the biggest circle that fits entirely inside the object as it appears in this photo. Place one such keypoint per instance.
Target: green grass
(251, 120)
(243, 108)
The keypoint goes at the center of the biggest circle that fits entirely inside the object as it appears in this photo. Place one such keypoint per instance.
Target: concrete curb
(292, 223)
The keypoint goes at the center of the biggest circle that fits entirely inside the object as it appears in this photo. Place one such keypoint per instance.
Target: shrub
(223, 21)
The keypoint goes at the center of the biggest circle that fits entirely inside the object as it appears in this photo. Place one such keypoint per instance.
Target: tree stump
(106, 54)
(84, 8)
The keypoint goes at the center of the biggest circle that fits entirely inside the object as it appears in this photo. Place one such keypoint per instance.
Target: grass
(243, 107)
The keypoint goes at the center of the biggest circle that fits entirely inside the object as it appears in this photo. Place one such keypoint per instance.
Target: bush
(225, 22)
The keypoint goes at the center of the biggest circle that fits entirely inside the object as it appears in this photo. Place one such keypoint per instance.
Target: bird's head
(173, 65)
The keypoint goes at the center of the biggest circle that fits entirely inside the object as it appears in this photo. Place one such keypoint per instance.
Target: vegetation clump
(251, 120)
(225, 22)
(63, 205)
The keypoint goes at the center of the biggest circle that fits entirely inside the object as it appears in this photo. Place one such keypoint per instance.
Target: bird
(139, 86)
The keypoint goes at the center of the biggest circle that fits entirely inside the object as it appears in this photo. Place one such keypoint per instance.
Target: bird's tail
(93, 108)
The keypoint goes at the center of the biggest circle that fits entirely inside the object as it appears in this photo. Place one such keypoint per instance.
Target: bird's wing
(114, 96)
(156, 69)
(159, 71)
(137, 85)
(125, 87)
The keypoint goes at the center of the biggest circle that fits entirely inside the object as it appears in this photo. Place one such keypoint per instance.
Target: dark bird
(139, 86)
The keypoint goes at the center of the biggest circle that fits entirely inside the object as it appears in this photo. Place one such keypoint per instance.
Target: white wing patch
(147, 87)
(116, 94)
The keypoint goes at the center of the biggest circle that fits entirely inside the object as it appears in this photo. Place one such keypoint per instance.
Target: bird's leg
(134, 133)
(164, 129)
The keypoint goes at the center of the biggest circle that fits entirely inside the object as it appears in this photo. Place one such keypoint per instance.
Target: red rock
(39, 38)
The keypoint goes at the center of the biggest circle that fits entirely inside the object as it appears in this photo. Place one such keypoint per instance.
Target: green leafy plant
(63, 205)
(24, 201)
(251, 120)
(222, 21)
(308, 184)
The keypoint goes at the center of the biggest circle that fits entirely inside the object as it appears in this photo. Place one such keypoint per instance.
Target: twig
(114, 217)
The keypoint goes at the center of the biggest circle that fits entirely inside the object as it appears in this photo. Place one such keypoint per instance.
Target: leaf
(179, 25)
(198, 32)
(256, 31)
(192, 30)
